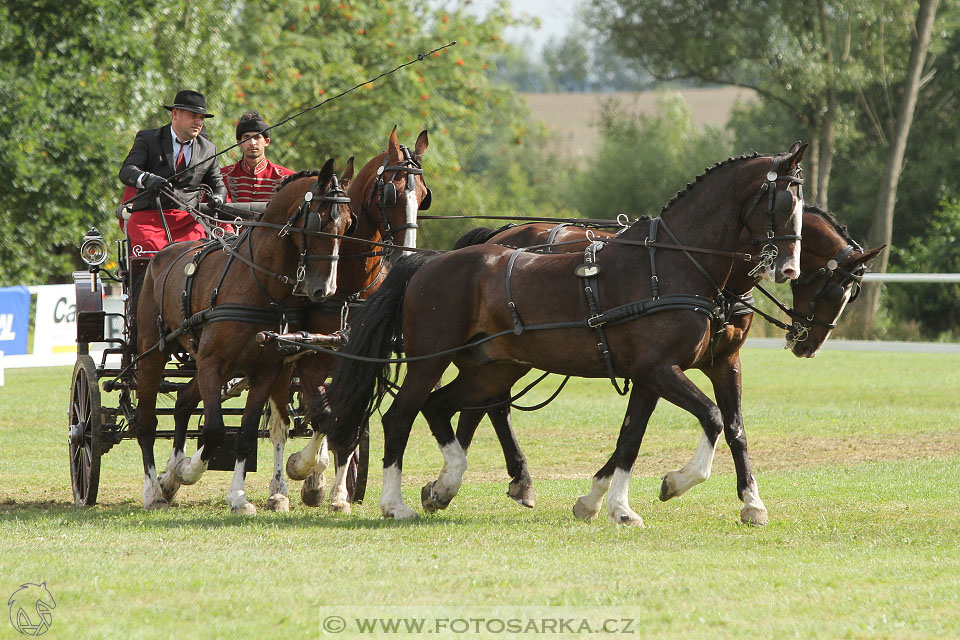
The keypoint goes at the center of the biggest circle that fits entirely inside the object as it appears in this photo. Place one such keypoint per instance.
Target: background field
(856, 457)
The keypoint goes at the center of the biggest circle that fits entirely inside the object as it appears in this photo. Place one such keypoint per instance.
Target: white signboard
(56, 320)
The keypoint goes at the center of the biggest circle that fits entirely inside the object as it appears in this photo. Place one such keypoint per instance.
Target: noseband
(385, 191)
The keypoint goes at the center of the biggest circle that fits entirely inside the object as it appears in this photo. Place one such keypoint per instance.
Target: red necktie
(181, 163)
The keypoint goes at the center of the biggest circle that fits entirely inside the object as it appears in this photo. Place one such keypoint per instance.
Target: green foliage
(642, 161)
(935, 306)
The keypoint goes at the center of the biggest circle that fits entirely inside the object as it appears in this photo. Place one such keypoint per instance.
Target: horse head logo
(30, 609)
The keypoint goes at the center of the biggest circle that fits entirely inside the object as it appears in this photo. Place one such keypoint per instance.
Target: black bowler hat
(190, 101)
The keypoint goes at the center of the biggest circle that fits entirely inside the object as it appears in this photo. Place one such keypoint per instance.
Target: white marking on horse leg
(676, 483)
(152, 493)
(278, 438)
(754, 511)
(448, 482)
(168, 479)
(618, 506)
(391, 499)
(191, 469)
(410, 238)
(301, 463)
(588, 507)
(237, 495)
(339, 496)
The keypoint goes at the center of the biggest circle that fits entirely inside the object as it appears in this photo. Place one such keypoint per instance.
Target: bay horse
(832, 266)
(210, 299)
(386, 195)
(497, 312)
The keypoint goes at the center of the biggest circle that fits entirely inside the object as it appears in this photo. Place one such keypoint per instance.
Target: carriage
(97, 424)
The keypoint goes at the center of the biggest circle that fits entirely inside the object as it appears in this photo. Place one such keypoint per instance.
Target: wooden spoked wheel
(84, 432)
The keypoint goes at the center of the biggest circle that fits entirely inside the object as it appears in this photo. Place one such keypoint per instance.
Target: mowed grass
(856, 457)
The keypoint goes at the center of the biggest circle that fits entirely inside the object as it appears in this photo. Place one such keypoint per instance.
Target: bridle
(385, 191)
(779, 202)
(830, 290)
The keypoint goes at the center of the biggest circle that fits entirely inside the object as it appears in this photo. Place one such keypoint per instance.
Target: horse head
(315, 212)
(833, 267)
(388, 192)
(775, 216)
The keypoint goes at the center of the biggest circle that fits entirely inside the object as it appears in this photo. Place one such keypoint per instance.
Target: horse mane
(297, 176)
(707, 172)
(838, 226)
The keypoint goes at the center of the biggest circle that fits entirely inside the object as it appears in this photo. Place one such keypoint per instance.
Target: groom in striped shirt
(254, 178)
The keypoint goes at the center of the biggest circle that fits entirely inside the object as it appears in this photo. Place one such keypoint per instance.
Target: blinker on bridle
(385, 191)
(779, 202)
(313, 222)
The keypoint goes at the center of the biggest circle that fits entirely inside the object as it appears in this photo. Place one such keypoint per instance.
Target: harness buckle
(285, 231)
(301, 273)
(595, 322)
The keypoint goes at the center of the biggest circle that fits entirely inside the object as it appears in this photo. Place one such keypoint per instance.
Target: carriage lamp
(93, 251)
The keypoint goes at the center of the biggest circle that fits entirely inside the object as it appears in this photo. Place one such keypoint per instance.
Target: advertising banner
(14, 320)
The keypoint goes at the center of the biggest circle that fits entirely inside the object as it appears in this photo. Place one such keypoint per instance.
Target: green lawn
(856, 457)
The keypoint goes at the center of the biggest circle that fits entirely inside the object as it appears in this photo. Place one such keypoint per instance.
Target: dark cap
(251, 121)
(190, 101)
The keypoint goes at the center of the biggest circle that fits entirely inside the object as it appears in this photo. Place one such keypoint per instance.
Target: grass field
(856, 458)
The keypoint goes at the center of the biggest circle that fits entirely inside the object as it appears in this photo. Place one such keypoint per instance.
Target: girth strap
(517, 323)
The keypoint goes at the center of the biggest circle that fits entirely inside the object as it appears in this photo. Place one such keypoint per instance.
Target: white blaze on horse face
(791, 267)
(330, 286)
(412, 206)
(807, 352)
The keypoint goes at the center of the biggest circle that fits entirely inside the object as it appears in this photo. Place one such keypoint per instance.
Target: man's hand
(217, 199)
(153, 182)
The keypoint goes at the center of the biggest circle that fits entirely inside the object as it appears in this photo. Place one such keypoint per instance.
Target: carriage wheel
(357, 474)
(84, 432)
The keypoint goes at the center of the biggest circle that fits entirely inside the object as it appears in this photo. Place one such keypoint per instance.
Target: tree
(881, 228)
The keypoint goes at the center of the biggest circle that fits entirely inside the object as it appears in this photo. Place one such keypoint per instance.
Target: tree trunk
(881, 228)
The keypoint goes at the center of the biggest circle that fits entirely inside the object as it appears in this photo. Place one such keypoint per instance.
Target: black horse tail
(479, 236)
(358, 387)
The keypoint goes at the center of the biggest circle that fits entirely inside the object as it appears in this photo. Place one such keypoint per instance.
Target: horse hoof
(278, 502)
(340, 506)
(168, 486)
(751, 515)
(628, 519)
(523, 494)
(667, 490)
(245, 509)
(431, 503)
(404, 513)
(582, 512)
(158, 504)
(313, 497)
(295, 469)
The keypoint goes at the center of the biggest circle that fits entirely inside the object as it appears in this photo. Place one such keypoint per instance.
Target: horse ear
(868, 256)
(393, 147)
(796, 152)
(325, 173)
(422, 143)
(348, 172)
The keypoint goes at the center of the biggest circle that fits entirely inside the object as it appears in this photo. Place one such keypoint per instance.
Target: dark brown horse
(210, 300)
(832, 265)
(497, 312)
(386, 195)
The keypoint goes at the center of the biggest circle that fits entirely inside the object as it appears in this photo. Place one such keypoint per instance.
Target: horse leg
(313, 491)
(397, 421)
(209, 380)
(471, 385)
(725, 377)
(278, 423)
(257, 396)
(339, 494)
(615, 474)
(521, 486)
(149, 373)
(187, 400)
(675, 387)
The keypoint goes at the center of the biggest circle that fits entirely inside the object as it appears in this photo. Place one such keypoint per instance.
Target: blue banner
(14, 320)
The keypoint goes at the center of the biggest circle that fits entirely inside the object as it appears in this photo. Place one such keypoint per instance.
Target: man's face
(253, 146)
(186, 124)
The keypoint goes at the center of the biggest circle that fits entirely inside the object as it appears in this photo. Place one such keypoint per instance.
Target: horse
(210, 299)
(386, 193)
(832, 266)
(497, 312)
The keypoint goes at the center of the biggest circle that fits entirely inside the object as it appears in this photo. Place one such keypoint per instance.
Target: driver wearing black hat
(173, 157)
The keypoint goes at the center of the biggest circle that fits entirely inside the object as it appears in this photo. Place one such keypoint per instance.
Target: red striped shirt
(257, 186)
